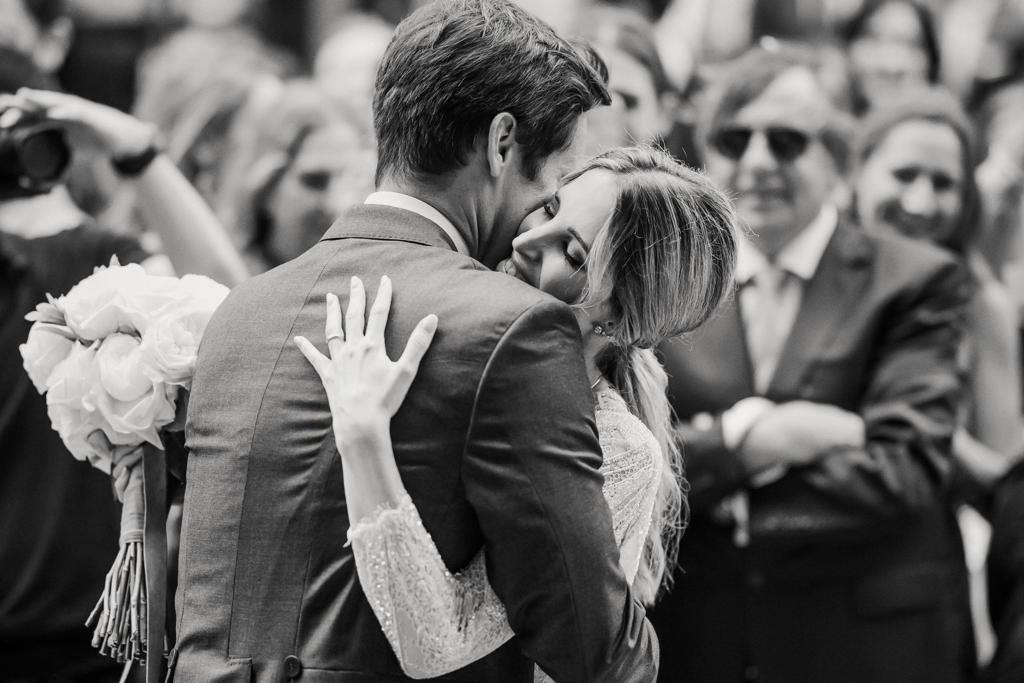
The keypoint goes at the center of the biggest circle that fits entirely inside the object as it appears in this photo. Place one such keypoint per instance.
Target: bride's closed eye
(552, 205)
(574, 261)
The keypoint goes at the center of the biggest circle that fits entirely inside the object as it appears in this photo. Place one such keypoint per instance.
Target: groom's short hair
(452, 66)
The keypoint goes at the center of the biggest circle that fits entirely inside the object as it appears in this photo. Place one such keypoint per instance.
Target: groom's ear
(501, 139)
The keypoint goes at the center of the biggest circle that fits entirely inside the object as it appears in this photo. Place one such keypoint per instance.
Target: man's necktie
(768, 318)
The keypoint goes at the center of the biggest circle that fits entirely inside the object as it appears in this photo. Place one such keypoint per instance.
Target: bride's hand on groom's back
(364, 386)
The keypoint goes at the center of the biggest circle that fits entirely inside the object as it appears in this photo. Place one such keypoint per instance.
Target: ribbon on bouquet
(154, 475)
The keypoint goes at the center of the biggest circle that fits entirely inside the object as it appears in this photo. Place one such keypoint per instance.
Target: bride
(643, 248)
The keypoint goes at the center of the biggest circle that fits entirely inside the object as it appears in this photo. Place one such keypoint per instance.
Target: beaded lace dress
(438, 622)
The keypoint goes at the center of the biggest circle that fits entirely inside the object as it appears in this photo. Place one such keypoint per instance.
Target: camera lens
(44, 155)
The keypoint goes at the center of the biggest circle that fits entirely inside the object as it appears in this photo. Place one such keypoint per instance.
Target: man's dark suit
(495, 442)
(855, 570)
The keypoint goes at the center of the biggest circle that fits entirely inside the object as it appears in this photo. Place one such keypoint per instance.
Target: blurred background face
(913, 181)
(346, 64)
(332, 170)
(889, 54)
(636, 113)
(770, 158)
(551, 249)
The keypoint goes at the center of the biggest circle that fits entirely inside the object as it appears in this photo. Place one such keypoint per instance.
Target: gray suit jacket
(496, 444)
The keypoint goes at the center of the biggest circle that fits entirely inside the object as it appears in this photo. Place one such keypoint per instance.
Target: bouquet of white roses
(117, 354)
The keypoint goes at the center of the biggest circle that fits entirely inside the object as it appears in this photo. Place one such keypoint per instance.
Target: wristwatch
(134, 164)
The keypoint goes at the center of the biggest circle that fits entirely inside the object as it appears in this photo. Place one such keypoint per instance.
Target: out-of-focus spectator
(56, 210)
(915, 175)
(63, 530)
(109, 36)
(1000, 177)
(193, 84)
(892, 44)
(42, 30)
(1006, 578)
(563, 15)
(643, 100)
(816, 419)
(323, 15)
(714, 31)
(346, 63)
(296, 160)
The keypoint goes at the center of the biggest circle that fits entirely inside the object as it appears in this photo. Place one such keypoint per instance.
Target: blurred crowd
(906, 120)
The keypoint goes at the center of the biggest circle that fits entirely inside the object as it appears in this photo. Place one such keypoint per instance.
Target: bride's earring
(603, 330)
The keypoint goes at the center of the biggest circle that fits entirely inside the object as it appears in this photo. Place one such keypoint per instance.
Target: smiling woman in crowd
(915, 175)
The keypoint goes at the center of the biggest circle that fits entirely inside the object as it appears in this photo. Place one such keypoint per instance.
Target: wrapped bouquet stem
(119, 618)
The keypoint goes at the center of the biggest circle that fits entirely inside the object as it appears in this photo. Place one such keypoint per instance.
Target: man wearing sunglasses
(816, 416)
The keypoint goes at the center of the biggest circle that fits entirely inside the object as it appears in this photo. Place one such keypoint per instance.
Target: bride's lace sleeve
(631, 468)
(436, 622)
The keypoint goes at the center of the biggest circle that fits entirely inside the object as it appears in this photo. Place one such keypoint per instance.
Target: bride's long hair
(665, 261)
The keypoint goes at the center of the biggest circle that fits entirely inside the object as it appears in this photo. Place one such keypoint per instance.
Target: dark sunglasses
(785, 144)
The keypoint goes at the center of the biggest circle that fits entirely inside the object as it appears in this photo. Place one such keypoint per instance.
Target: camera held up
(34, 153)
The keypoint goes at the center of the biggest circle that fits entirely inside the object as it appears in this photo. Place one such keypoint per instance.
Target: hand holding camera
(39, 129)
(90, 125)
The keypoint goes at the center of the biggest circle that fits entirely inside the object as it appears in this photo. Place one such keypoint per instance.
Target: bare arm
(191, 235)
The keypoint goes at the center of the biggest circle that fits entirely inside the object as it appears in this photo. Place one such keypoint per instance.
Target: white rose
(135, 421)
(154, 298)
(170, 345)
(171, 340)
(97, 306)
(41, 353)
(66, 389)
(203, 292)
(120, 368)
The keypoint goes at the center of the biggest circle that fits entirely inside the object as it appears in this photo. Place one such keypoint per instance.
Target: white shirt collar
(420, 207)
(800, 256)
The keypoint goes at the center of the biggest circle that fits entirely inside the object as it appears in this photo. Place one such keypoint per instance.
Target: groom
(477, 114)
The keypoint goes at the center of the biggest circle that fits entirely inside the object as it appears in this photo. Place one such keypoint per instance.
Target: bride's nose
(527, 244)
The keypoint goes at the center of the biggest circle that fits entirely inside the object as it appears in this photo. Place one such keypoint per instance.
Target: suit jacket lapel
(709, 367)
(828, 297)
